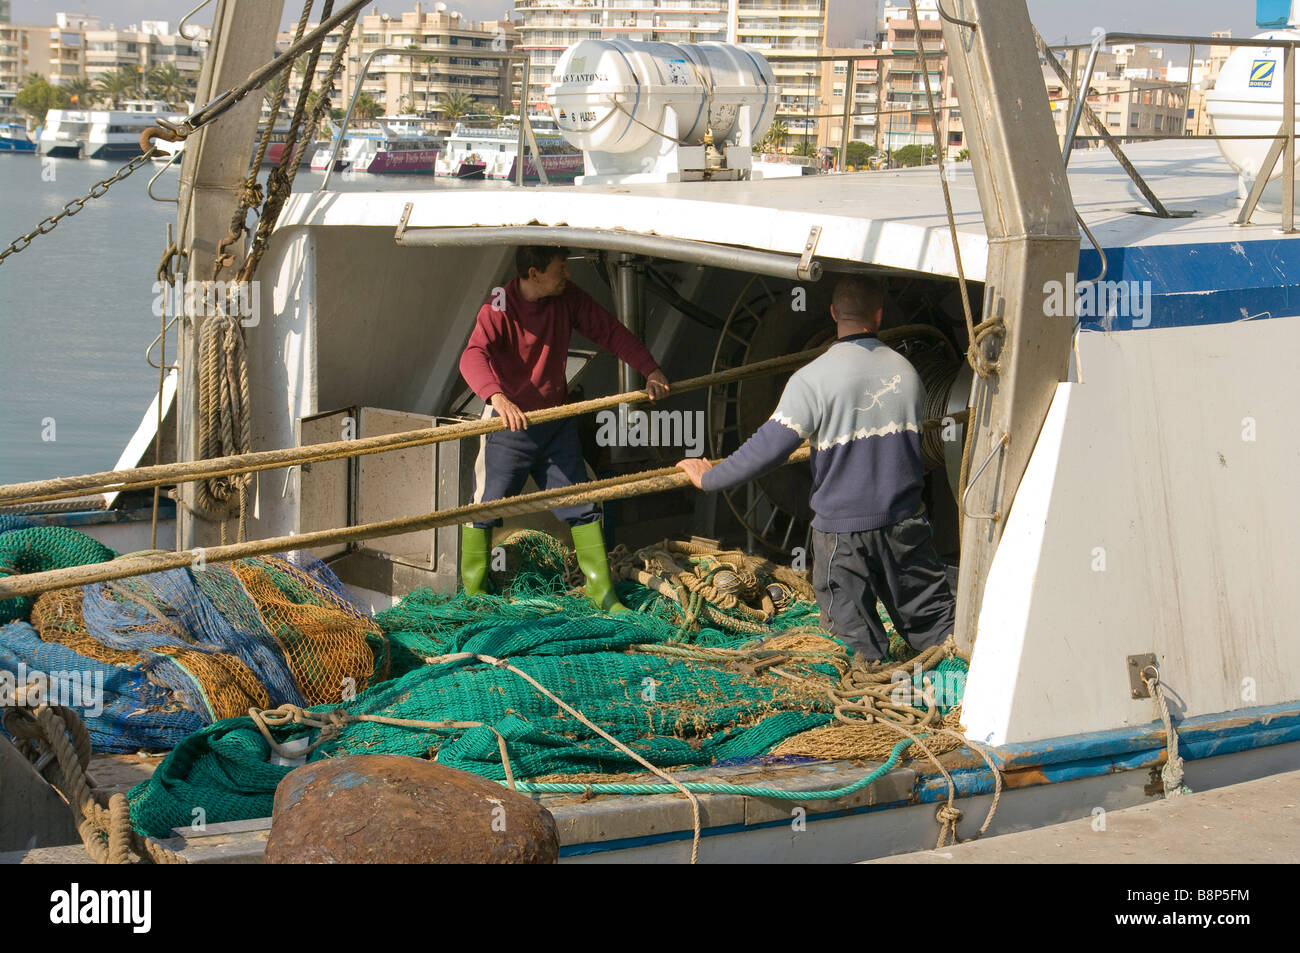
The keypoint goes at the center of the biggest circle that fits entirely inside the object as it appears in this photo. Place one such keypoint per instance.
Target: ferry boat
(355, 144)
(491, 152)
(101, 133)
(14, 138)
(64, 132)
(1126, 504)
(403, 145)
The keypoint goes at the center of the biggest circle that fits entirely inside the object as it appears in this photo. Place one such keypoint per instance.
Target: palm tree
(367, 107)
(122, 83)
(81, 92)
(167, 83)
(456, 105)
(429, 62)
(776, 134)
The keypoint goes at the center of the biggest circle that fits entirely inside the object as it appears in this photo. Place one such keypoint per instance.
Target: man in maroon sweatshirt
(515, 362)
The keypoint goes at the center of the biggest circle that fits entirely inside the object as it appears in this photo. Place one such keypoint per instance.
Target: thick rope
(1171, 774)
(250, 194)
(136, 478)
(225, 421)
(976, 334)
(280, 181)
(330, 723)
(106, 832)
(865, 695)
(595, 491)
(712, 586)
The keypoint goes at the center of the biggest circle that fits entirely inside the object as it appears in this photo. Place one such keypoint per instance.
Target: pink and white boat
(400, 144)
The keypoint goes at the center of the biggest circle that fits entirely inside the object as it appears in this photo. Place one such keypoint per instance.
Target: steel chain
(76, 205)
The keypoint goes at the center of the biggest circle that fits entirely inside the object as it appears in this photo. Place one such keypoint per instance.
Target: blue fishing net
(122, 709)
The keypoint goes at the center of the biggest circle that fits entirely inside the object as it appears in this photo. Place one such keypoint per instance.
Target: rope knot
(948, 815)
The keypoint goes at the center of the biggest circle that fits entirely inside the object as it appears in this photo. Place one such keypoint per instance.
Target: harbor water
(77, 308)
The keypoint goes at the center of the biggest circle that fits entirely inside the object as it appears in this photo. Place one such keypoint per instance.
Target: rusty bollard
(394, 809)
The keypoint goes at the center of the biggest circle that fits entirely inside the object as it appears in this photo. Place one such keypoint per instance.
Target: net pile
(670, 686)
(183, 648)
(184, 654)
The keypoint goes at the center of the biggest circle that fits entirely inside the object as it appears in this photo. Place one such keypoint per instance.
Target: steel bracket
(1137, 665)
(805, 270)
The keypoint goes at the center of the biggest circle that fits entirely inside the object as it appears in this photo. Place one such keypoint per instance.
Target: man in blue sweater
(860, 407)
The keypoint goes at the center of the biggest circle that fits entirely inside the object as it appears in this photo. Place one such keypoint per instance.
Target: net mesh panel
(671, 712)
(123, 710)
(39, 549)
(303, 560)
(329, 643)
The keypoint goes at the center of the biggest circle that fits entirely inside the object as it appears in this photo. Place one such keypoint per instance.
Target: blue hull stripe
(1068, 758)
(1200, 284)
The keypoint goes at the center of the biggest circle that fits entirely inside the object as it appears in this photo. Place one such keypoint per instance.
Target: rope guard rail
(595, 491)
(143, 478)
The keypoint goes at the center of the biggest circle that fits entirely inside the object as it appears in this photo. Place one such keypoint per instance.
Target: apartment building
(455, 55)
(864, 87)
(56, 52)
(548, 27)
(76, 47)
(9, 75)
(781, 29)
(142, 47)
(1131, 89)
(905, 118)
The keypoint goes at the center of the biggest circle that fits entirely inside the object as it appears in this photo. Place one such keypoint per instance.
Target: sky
(1055, 19)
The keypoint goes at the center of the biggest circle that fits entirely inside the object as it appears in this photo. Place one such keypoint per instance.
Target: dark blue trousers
(550, 453)
(896, 564)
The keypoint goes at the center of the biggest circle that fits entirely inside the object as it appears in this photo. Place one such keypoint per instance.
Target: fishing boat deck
(893, 219)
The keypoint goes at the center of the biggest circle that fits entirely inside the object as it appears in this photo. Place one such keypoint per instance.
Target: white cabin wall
(1144, 464)
(393, 321)
(281, 372)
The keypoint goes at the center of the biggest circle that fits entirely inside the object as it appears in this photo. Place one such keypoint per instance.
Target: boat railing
(525, 137)
(1079, 88)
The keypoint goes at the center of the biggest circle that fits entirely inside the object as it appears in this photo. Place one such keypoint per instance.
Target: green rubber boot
(474, 546)
(589, 543)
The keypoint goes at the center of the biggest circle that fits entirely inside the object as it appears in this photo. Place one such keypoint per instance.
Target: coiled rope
(225, 424)
(107, 833)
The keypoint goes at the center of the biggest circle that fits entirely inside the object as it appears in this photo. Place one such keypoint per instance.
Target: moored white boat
(483, 151)
(14, 138)
(403, 145)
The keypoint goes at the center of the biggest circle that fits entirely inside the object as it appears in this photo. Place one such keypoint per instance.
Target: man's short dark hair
(537, 256)
(857, 299)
